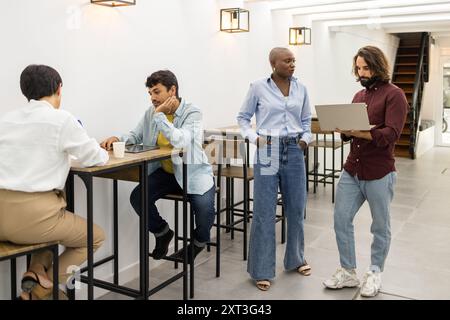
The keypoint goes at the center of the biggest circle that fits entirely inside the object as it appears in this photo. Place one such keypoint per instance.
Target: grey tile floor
(418, 265)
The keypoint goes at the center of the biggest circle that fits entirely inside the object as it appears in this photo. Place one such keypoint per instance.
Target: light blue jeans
(280, 164)
(350, 195)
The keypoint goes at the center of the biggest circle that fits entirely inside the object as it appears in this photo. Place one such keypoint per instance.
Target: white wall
(104, 56)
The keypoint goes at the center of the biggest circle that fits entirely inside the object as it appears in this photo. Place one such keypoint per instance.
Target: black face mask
(367, 82)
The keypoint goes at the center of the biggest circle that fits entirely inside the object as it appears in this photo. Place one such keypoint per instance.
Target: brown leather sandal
(263, 285)
(35, 286)
(304, 269)
(31, 279)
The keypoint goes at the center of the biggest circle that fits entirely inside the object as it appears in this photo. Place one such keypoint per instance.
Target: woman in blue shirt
(283, 131)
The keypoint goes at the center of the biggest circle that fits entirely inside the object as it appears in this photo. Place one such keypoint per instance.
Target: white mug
(119, 149)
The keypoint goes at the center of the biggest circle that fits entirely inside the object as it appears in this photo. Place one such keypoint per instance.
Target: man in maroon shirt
(369, 172)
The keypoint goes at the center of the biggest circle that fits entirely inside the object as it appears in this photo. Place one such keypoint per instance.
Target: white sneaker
(371, 284)
(341, 279)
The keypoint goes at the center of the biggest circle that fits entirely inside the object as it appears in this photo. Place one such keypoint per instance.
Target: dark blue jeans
(161, 183)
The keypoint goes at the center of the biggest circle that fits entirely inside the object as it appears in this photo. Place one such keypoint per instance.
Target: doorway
(446, 104)
(442, 114)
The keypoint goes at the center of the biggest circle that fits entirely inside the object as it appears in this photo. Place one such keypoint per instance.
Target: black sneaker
(162, 245)
(180, 253)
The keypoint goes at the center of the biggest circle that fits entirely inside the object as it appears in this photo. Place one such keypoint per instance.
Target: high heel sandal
(31, 280)
(36, 287)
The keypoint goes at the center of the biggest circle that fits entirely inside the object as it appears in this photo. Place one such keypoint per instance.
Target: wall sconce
(299, 36)
(234, 20)
(114, 3)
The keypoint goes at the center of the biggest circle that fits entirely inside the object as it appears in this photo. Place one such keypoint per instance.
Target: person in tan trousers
(36, 143)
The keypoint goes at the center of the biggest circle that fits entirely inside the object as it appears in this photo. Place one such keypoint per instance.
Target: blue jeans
(350, 195)
(161, 183)
(278, 165)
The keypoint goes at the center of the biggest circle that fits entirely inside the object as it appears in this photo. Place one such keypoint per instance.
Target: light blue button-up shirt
(276, 115)
(185, 132)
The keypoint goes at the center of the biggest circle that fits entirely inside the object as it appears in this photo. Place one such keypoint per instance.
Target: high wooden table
(125, 169)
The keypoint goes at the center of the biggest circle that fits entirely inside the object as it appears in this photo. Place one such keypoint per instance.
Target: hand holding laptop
(362, 134)
(345, 117)
(348, 119)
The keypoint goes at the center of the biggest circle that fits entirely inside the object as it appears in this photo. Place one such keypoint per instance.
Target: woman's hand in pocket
(302, 144)
(261, 142)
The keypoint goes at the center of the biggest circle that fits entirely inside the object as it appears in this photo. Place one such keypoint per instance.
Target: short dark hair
(376, 61)
(164, 77)
(38, 81)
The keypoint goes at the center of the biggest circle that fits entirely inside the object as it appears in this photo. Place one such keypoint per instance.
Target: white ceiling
(391, 15)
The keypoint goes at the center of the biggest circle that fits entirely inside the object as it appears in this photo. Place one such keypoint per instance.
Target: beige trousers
(29, 218)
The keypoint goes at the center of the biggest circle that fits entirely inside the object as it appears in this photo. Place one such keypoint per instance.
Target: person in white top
(36, 143)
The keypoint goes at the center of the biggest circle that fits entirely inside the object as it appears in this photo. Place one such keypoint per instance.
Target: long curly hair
(376, 61)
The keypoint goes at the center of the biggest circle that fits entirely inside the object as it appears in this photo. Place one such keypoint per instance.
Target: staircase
(410, 74)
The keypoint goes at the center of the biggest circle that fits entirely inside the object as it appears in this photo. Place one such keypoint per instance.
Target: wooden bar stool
(325, 140)
(234, 156)
(231, 152)
(211, 151)
(11, 251)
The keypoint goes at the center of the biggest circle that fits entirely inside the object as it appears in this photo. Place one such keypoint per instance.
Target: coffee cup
(119, 149)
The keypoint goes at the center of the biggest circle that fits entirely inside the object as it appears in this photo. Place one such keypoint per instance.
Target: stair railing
(417, 95)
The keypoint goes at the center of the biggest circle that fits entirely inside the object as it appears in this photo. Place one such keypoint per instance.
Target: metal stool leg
(227, 206)
(218, 233)
(13, 279)
(324, 161)
(316, 169)
(191, 253)
(283, 225)
(307, 168)
(116, 231)
(55, 253)
(232, 207)
(246, 205)
(332, 172)
(176, 231)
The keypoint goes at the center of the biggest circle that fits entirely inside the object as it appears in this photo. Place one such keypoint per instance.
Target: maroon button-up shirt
(387, 108)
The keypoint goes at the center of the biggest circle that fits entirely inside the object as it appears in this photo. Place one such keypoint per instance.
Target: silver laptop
(351, 116)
